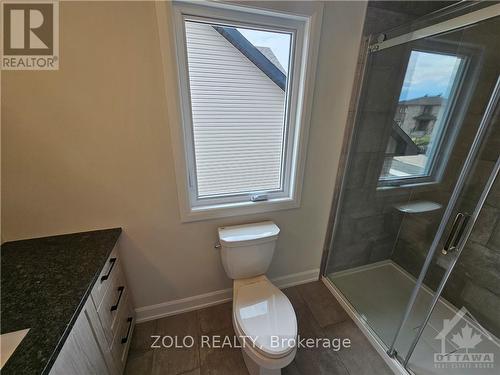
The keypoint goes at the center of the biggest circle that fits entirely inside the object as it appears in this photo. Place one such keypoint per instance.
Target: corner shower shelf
(418, 207)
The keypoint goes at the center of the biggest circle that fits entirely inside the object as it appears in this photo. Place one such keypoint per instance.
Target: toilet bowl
(265, 323)
(263, 317)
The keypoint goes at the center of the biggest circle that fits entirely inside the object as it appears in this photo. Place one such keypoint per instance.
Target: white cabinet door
(81, 353)
(99, 341)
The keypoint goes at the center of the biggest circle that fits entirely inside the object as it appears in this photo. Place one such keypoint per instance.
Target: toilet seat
(264, 314)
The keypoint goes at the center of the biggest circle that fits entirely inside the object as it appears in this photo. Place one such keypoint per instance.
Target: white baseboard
(146, 313)
(296, 278)
(160, 310)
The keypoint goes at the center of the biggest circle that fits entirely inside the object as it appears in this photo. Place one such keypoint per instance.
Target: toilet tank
(247, 250)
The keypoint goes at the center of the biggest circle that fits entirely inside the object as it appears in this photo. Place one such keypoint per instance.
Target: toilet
(263, 317)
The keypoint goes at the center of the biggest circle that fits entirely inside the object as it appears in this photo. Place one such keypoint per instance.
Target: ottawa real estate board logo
(466, 346)
(30, 35)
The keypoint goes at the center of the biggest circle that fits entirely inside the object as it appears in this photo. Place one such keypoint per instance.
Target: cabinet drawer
(113, 303)
(104, 278)
(121, 341)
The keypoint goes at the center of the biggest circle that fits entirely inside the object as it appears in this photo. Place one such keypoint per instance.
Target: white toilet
(263, 317)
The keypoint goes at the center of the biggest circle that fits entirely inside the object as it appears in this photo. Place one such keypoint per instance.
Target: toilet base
(254, 369)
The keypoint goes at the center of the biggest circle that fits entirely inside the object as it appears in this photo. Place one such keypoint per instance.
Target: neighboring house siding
(232, 99)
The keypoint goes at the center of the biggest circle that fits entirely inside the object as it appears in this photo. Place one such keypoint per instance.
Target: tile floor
(319, 315)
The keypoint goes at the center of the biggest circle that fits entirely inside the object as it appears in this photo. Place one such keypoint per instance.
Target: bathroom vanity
(70, 293)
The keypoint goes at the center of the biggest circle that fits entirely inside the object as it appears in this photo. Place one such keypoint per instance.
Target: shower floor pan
(379, 293)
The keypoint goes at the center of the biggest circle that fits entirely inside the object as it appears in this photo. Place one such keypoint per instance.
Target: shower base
(378, 294)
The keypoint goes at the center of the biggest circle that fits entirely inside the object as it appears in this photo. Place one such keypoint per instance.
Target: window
(429, 89)
(237, 80)
(423, 125)
(241, 81)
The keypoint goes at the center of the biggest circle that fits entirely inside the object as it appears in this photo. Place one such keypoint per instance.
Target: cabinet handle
(125, 339)
(105, 277)
(120, 290)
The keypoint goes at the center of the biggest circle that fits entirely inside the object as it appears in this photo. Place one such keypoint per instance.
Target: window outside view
(238, 88)
(420, 117)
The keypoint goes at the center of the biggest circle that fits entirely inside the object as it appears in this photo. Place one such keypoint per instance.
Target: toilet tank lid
(242, 233)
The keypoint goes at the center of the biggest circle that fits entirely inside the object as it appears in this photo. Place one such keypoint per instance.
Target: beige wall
(88, 146)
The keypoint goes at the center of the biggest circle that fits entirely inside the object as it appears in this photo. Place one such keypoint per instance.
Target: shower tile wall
(368, 225)
(476, 278)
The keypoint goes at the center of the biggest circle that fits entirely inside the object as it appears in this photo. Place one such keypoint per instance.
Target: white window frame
(435, 165)
(305, 29)
(454, 114)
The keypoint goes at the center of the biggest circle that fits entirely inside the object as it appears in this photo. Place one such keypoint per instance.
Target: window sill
(405, 186)
(237, 209)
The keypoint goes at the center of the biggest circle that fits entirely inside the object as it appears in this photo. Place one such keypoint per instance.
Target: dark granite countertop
(45, 283)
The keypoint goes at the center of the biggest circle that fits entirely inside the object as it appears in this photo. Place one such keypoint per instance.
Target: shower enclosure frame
(367, 47)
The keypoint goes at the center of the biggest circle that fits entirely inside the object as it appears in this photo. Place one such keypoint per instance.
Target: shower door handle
(456, 233)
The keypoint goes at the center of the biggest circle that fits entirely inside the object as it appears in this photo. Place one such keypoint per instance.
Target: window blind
(238, 116)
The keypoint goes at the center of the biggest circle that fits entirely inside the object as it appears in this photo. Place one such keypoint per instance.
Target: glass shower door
(451, 278)
(461, 336)
(426, 342)
(418, 124)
